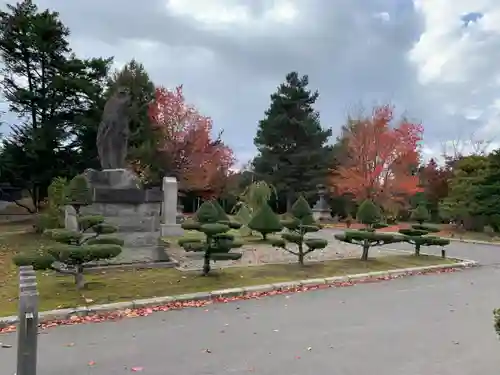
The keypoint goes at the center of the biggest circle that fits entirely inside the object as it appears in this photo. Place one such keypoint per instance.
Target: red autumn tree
(381, 159)
(434, 179)
(185, 144)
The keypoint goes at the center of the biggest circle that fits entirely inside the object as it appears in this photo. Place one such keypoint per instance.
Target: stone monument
(113, 131)
(117, 192)
(321, 210)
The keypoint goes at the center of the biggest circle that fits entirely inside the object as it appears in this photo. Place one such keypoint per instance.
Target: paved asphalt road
(437, 324)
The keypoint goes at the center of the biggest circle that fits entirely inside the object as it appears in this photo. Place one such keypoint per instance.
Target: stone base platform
(118, 196)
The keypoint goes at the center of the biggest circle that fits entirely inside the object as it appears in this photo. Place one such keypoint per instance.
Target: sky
(436, 61)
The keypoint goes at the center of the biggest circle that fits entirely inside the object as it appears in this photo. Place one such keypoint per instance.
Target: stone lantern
(321, 210)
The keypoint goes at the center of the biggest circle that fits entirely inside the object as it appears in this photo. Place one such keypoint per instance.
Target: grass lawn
(15, 226)
(110, 286)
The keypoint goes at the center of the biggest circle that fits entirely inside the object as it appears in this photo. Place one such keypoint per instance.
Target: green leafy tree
(299, 223)
(257, 194)
(72, 251)
(265, 221)
(217, 243)
(418, 236)
(293, 154)
(369, 215)
(462, 204)
(50, 90)
(487, 192)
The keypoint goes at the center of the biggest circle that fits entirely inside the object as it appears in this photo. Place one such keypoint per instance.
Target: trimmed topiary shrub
(265, 221)
(221, 214)
(420, 214)
(79, 193)
(496, 321)
(299, 223)
(218, 243)
(243, 216)
(418, 236)
(72, 251)
(369, 215)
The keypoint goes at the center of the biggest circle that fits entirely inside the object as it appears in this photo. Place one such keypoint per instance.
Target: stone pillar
(170, 226)
(70, 219)
(321, 210)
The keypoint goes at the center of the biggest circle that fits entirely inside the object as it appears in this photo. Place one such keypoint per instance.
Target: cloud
(434, 59)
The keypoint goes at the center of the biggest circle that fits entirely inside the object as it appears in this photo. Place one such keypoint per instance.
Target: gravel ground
(258, 254)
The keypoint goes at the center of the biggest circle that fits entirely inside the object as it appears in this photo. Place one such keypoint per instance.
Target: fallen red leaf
(136, 369)
(145, 311)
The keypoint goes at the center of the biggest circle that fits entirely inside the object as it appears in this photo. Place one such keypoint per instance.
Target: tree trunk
(206, 264)
(366, 248)
(301, 254)
(301, 258)
(417, 249)
(79, 280)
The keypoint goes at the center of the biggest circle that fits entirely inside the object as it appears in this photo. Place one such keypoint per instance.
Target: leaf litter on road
(176, 305)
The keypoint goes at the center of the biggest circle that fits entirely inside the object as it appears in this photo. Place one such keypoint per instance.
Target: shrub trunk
(206, 263)
(79, 279)
(366, 248)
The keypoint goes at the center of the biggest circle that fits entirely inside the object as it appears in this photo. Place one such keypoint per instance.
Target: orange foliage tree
(381, 160)
(185, 144)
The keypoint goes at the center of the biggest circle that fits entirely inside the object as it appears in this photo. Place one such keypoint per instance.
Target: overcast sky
(436, 60)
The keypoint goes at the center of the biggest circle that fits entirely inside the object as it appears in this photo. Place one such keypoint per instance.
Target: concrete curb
(64, 314)
(491, 243)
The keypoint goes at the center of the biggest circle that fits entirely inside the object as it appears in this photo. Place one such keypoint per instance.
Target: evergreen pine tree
(50, 90)
(293, 154)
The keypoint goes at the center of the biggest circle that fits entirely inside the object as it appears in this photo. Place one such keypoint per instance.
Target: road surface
(437, 324)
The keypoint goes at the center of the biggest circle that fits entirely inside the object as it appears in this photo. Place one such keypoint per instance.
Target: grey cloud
(349, 54)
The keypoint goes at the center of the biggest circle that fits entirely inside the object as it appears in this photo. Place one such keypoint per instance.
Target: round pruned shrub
(231, 224)
(299, 223)
(369, 214)
(211, 229)
(190, 225)
(206, 213)
(217, 243)
(38, 261)
(89, 221)
(79, 193)
(420, 214)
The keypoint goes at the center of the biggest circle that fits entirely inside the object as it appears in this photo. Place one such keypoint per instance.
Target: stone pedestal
(170, 226)
(321, 210)
(118, 196)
